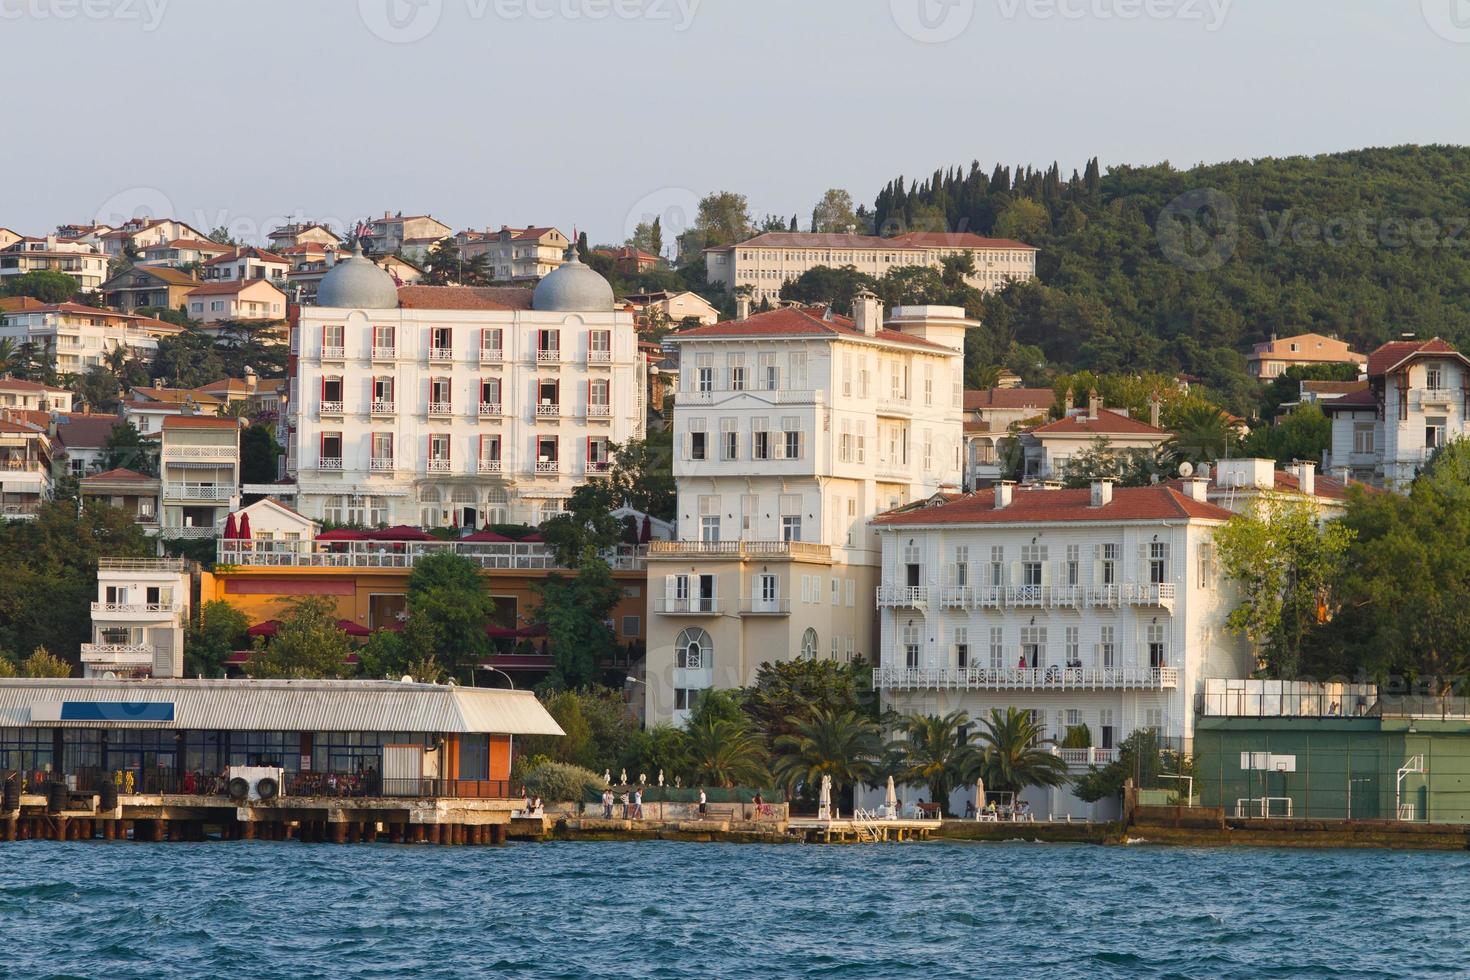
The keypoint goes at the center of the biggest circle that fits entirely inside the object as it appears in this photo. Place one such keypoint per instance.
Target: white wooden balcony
(740, 550)
(902, 596)
(200, 452)
(117, 654)
(135, 610)
(330, 464)
(441, 408)
(548, 410)
(381, 464)
(1086, 758)
(384, 407)
(438, 466)
(548, 357)
(441, 354)
(548, 467)
(333, 353)
(689, 606)
(385, 353)
(489, 466)
(765, 607)
(331, 408)
(1146, 594)
(599, 467)
(599, 411)
(197, 491)
(899, 407)
(491, 355)
(599, 357)
(1027, 678)
(490, 410)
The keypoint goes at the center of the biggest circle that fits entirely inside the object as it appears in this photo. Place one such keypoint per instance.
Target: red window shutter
(590, 457)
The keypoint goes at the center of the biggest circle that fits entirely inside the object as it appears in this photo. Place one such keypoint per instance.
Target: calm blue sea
(692, 910)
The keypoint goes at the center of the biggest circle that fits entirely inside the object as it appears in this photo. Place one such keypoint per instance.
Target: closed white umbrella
(824, 805)
(891, 800)
(979, 798)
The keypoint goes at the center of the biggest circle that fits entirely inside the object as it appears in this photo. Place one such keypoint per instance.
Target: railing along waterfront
(295, 785)
(404, 554)
(1026, 678)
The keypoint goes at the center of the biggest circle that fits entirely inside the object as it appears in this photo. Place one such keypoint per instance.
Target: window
(767, 591)
(1033, 646)
(383, 393)
(696, 441)
(1033, 561)
(760, 439)
(1363, 440)
(962, 648)
(705, 374)
(1105, 728)
(1158, 562)
(382, 449)
(331, 394)
(911, 647)
(997, 565)
(441, 343)
(548, 451)
(1158, 654)
(1434, 377)
(1074, 657)
(809, 644)
(1153, 718)
(490, 393)
(770, 373)
(1434, 429)
(331, 450)
(632, 626)
(548, 345)
(736, 364)
(851, 590)
(791, 443)
(599, 345)
(489, 452)
(491, 348)
(997, 648)
(836, 591)
(693, 650)
(1108, 649)
(791, 527)
(439, 394)
(1074, 563)
(548, 394)
(1206, 566)
(862, 441)
(844, 442)
(384, 341)
(439, 452)
(729, 439)
(332, 339)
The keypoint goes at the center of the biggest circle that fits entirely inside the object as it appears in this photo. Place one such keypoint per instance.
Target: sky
(595, 114)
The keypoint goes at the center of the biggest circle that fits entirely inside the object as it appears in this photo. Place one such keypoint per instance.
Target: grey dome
(573, 288)
(357, 284)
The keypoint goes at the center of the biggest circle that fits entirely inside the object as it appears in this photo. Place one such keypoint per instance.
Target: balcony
(198, 491)
(491, 355)
(381, 464)
(1027, 678)
(142, 610)
(383, 408)
(1439, 397)
(334, 353)
(740, 550)
(595, 357)
(897, 407)
(688, 606)
(441, 354)
(385, 353)
(331, 408)
(548, 357)
(117, 654)
(1053, 596)
(438, 466)
(599, 411)
(599, 467)
(177, 532)
(1084, 758)
(902, 596)
(490, 466)
(548, 410)
(548, 467)
(490, 410)
(330, 464)
(441, 408)
(765, 607)
(200, 452)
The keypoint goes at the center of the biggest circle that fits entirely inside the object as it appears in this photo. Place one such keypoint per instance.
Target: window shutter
(669, 587)
(1046, 578)
(1015, 573)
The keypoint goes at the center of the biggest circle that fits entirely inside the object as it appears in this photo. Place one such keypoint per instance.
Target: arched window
(809, 644)
(693, 650)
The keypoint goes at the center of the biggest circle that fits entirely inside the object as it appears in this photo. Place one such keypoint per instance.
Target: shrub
(561, 783)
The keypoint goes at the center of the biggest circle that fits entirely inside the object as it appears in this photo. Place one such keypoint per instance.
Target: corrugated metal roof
(292, 706)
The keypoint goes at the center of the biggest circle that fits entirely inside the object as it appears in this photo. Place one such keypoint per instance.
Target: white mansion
(443, 406)
(791, 430)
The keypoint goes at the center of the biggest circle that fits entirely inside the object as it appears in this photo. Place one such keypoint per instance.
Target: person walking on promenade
(638, 804)
(607, 803)
(703, 802)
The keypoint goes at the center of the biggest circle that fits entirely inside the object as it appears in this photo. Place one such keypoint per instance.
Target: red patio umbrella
(532, 537)
(353, 629)
(403, 532)
(267, 628)
(499, 632)
(342, 534)
(485, 537)
(244, 526)
(230, 529)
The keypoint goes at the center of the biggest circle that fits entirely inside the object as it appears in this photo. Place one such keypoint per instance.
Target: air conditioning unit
(256, 784)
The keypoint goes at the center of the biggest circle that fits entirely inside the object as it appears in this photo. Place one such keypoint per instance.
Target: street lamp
(502, 673)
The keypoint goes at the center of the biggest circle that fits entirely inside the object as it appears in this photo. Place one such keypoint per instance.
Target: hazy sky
(595, 112)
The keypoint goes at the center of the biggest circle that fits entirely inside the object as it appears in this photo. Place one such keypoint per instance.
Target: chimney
(1197, 488)
(1094, 403)
(1068, 404)
(1306, 475)
(1003, 493)
(1154, 404)
(1102, 493)
(742, 307)
(867, 313)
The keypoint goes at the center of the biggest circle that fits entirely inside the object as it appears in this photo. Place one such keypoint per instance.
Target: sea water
(684, 910)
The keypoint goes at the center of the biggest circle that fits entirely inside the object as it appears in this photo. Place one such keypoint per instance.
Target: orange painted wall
(499, 756)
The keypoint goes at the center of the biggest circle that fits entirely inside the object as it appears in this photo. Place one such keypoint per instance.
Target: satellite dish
(1186, 469)
(407, 678)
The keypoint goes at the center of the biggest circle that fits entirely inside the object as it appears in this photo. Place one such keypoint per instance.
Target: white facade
(82, 336)
(1102, 608)
(516, 254)
(441, 417)
(791, 429)
(83, 262)
(199, 474)
(1417, 400)
(139, 618)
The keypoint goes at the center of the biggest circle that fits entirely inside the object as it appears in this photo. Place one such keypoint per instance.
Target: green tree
(586, 526)
(448, 610)
(97, 390)
(662, 748)
(221, 630)
(258, 453)
(1283, 559)
(642, 474)
(1142, 757)
(222, 236)
(308, 644)
(843, 745)
(1024, 220)
(1010, 756)
(787, 689)
(833, 213)
(42, 663)
(824, 284)
(577, 611)
(1203, 434)
(44, 285)
(125, 448)
(1305, 433)
(932, 752)
(725, 752)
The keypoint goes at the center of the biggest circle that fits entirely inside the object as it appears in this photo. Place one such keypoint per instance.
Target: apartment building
(302, 233)
(413, 235)
(183, 251)
(25, 468)
(236, 299)
(245, 264)
(1100, 608)
(764, 263)
(1271, 359)
(128, 490)
(199, 474)
(139, 234)
(1048, 448)
(994, 418)
(32, 396)
(1417, 399)
(791, 429)
(148, 287)
(444, 406)
(83, 262)
(516, 254)
(139, 618)
(81, 336)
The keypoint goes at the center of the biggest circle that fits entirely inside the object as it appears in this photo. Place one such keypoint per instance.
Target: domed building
(573, 288)
(357, 284)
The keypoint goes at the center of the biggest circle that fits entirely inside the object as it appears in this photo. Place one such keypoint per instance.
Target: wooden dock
(855, 831)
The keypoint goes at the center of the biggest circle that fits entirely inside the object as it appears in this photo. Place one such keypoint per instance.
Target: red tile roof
(248, 251)
(197, 244)
(979, 400)
(231, 287)
(198, 422)
(15, 384)
(799, 239)
(77, 430)
(1107, 423)
(1156, 503)
(1364, 397)
(464, 298)
(120, 473)
(1334, 387)
(795, 321)
(1396, 352)
(957, 239)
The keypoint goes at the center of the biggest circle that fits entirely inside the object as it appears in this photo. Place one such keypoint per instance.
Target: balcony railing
(189, 533)
(117, 654)
(331, 408)
(765, 607)
(1031, 596)
(381, 464)
(1082, 758)
(691, 606)
(441, 408)
(491, 355)
(333, 353)
(438, 466)
(490, 410)
(385, 353)
(197, 491)
(1026, 678)
(136, 608)
(200, 452)
(400, 554)
(548, 467)
(548, 357)
(383, 408)
(740, 550)
(895, 406)
(902, 596)
(489, 466)
(599, 357)
(441, 353)
(599, 411)
(331, 464)
(548, 411)
(599, 467)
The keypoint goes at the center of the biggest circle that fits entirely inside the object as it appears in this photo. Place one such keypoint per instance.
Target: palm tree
(7, 356)
(1010, 756)
(827, 742)
(1203, 433)
(933, 752)
(723, 752)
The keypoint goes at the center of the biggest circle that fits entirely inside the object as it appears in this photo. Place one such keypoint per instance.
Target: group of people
(1021, 811)
(632, 803)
